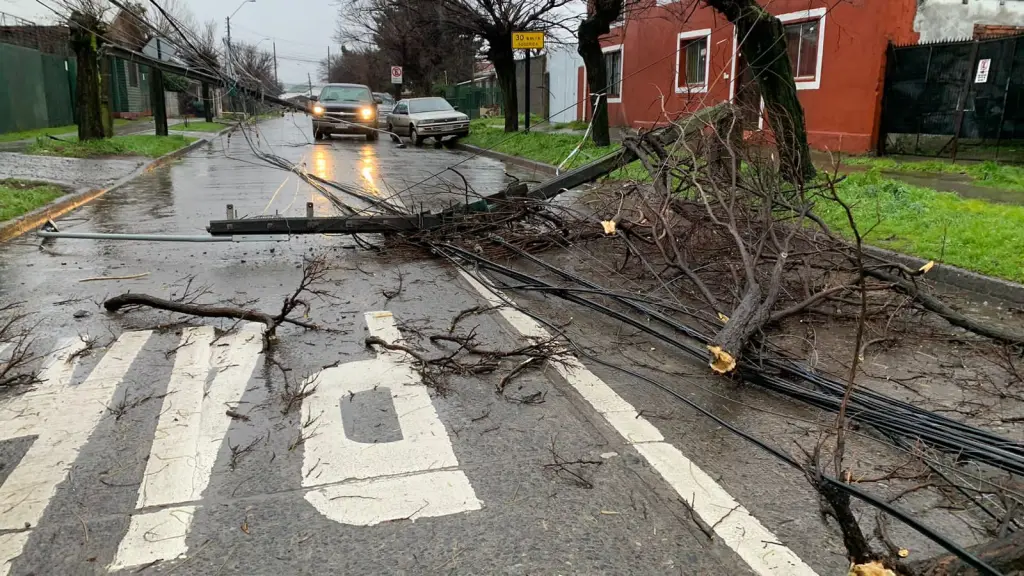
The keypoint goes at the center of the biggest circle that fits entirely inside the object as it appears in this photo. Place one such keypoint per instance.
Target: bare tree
(405, 33)
(494, 22)
(364, 65)
(600, 16)
(763, 45)
(254, 68)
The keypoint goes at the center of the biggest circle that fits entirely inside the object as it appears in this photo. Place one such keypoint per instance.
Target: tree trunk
(87, 89)
(763, 46)
(596, 24)
(500, 54)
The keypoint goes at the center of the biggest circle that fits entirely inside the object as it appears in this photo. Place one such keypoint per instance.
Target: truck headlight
(366, 113)
(318, 110)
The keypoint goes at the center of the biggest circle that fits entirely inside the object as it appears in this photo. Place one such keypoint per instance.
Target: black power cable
(455, 254)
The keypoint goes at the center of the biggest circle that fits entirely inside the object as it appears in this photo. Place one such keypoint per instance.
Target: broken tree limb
(202, 310)
(933, 304)
(1004, 554)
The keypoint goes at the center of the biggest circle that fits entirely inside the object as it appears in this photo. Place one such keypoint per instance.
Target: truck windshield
(345, 94)
(429, 105)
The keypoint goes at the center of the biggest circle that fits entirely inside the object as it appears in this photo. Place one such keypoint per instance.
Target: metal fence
(470, 99)
(963, 98)
(39, 89)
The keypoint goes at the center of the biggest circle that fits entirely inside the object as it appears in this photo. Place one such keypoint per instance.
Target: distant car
(385, 104)
(345, 109)
(422, 118)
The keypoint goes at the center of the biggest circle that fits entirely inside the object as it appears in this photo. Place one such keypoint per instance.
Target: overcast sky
(302, 29)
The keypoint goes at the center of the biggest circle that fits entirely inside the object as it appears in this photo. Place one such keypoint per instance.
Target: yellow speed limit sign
(527, 40)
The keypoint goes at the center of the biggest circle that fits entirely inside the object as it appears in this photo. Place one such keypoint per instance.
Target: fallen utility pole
(663, 137)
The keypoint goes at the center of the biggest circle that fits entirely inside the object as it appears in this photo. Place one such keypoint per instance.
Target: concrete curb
(15, 227)
(522, 162)
(941, 273)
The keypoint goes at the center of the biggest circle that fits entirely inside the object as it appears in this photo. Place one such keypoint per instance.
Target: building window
(802, 42)
(693, 61)
(133, 74)
(805, 37)
(613, 67)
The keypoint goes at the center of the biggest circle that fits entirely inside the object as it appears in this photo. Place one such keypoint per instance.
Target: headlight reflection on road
(322, 165)
(368, 169)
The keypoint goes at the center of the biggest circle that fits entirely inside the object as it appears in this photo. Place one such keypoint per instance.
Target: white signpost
(983, 67)
(396, 74)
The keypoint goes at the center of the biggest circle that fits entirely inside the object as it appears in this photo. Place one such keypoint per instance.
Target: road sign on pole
(527, 40)
(396, 74)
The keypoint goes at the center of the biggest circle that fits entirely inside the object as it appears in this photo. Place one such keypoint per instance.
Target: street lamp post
(231, 65)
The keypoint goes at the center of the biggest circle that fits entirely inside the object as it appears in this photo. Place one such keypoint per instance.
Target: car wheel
(371, 136)
(415, 137)
(318, 135)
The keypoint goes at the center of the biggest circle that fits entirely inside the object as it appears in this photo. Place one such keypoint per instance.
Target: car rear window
(345, 94)
(429, 105)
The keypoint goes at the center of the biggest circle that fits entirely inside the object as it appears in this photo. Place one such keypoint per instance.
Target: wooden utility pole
(276, 81)
(157, 94)
(328, 64)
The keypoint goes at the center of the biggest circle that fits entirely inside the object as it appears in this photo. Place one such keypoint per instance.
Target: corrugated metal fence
(39, 89)
(965, 96)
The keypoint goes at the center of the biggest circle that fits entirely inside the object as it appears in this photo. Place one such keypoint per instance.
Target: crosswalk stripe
(63, 417)
(737, 527)
(183, 455)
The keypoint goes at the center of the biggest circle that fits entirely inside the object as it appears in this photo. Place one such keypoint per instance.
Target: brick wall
(996, 30)
(48, 39)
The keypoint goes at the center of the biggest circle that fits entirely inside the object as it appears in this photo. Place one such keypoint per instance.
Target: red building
(678, 56)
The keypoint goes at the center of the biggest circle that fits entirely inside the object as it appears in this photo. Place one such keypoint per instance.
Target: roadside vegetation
(54, 131)
(18, 197)
(545, 147)
(984, 237)
(132, 145)
(972, 234)
(199, 127)
(992, 174)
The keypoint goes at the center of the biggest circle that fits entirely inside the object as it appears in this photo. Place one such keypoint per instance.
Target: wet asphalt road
(159, 479)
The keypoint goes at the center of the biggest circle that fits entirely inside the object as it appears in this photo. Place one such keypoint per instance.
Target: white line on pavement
(408, 478)
(731, 521)
(63, 417)
(184, 452)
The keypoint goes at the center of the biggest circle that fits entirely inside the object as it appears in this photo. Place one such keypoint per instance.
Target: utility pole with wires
(328, 64)
(276, 81)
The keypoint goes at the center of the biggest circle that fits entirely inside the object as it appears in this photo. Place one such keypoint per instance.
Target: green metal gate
(39, 89)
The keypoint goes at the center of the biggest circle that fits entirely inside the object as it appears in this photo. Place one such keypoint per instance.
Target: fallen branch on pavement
(18, 363)
(314, 272)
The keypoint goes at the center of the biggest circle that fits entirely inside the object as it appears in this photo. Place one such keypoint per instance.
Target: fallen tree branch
(202, 310)
(933, 304)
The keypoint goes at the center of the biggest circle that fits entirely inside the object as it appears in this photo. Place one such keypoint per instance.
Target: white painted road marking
(731, 521)
(63, 417)
(365, 484)
(189, 434)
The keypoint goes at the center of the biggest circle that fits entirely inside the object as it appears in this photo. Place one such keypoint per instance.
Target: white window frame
(622, 62)
(693, 35)
(809, 15)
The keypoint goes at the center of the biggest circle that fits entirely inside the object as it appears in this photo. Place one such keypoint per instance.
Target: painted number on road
(62, 417)
(365, 484)
(188, 436)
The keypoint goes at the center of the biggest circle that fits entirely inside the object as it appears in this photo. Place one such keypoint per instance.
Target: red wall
(842, 114)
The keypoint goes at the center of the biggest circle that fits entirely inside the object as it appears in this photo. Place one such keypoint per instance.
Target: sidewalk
(136, 127)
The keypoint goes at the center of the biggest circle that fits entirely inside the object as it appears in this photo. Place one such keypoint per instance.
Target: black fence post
(964, 93)
(1006, 94)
